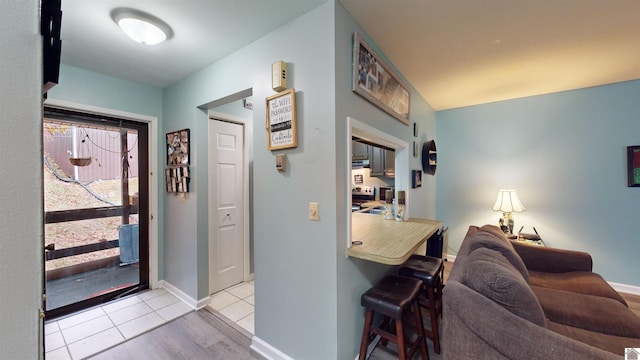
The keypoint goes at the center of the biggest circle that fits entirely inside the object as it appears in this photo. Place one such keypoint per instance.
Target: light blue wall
(90, 88)
(355, 276)
(565, 154)
(85, 87)
(295, 268)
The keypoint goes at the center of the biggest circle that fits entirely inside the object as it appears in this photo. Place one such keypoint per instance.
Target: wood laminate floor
(202, 335)
(196, 335)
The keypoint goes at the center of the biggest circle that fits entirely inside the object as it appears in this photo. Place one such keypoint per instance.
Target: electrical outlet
(313, 211)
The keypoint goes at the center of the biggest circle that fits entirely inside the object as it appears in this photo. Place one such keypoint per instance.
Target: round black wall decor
(429, 157)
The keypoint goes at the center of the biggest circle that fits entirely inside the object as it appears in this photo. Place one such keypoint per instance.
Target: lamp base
(506, 224)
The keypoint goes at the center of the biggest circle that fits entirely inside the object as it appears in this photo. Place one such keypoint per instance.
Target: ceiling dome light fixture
(143, 28)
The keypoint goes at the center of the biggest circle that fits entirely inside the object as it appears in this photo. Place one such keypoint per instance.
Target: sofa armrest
(550, 260)
(474, 326)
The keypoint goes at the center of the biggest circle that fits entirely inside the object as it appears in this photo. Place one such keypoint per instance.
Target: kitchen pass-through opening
(364, 187)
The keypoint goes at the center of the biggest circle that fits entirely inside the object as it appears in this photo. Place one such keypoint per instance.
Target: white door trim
(153, 170)
(247, 126)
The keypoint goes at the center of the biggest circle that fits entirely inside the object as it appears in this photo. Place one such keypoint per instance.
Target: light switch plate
(313, 211)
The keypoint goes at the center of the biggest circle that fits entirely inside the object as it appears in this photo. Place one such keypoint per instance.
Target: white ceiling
(455, 52)
(204, 31)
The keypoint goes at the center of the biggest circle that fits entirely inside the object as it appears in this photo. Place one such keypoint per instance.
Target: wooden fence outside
(102, 146)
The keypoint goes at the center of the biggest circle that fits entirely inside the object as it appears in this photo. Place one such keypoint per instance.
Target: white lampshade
(508, 201)
(141, 27)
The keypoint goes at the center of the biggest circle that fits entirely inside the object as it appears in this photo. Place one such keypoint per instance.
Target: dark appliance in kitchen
(383, 192)
(361, 194)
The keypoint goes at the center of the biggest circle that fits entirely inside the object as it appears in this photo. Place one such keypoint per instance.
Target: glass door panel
(92, 205)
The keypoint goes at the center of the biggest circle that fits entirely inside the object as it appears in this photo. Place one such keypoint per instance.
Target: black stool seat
(430, 270)
(425, 268)
(392, 295)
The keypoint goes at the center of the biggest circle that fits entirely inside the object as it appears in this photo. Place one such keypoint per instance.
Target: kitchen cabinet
(382, 162)
(360, 151)
(376, 162)
(390, 163)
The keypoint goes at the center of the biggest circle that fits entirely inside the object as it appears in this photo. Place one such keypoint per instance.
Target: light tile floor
(236, 304)
(87, 333)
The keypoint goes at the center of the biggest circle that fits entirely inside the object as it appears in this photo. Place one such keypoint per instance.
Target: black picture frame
(633, 166)
(178, 144)
(416, 179)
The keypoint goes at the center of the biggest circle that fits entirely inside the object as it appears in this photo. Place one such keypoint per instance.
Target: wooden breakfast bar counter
(388, 241)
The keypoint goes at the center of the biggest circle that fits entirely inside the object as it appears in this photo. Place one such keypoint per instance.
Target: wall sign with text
(281, 120)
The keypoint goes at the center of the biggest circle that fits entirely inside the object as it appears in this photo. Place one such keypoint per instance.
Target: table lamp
(507, 202)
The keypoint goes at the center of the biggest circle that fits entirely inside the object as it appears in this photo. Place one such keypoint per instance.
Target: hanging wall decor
(429, 157)
(281, 120)
(633, 166)
(177, 172)
(416, 179)
(177, 179)
(178, 148)
(374, 80)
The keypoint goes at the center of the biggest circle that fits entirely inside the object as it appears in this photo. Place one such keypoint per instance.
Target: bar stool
(430, 270)
(392, 297)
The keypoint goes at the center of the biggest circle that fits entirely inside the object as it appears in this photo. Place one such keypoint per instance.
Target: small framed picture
(358, 179)
(281, 121)
(415, 149)
(178, 148)
(415, 129)
(633, 166)
(416, 179)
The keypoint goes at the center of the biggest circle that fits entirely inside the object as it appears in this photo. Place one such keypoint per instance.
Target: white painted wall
(21, 171)
(565, 154)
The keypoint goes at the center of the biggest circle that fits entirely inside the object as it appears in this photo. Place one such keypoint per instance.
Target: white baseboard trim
(191, 302)
(629, 289)
(267, 351)
(450, 258)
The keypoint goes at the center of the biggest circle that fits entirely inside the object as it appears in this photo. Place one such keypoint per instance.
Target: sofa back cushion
(456, 273)
(491, 237)
(489, 273)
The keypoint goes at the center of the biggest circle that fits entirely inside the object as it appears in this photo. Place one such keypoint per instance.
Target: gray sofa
(508, 300)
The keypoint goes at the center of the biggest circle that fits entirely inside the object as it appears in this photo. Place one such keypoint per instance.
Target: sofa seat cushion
(610, 343)
(489, 273)
(588, 312)
(491, 237)
(583, 282)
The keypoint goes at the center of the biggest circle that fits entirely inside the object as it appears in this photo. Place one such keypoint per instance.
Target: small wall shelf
(429, 157)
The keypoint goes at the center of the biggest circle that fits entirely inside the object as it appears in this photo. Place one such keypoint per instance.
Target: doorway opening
(230, 247)
(96, 206)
